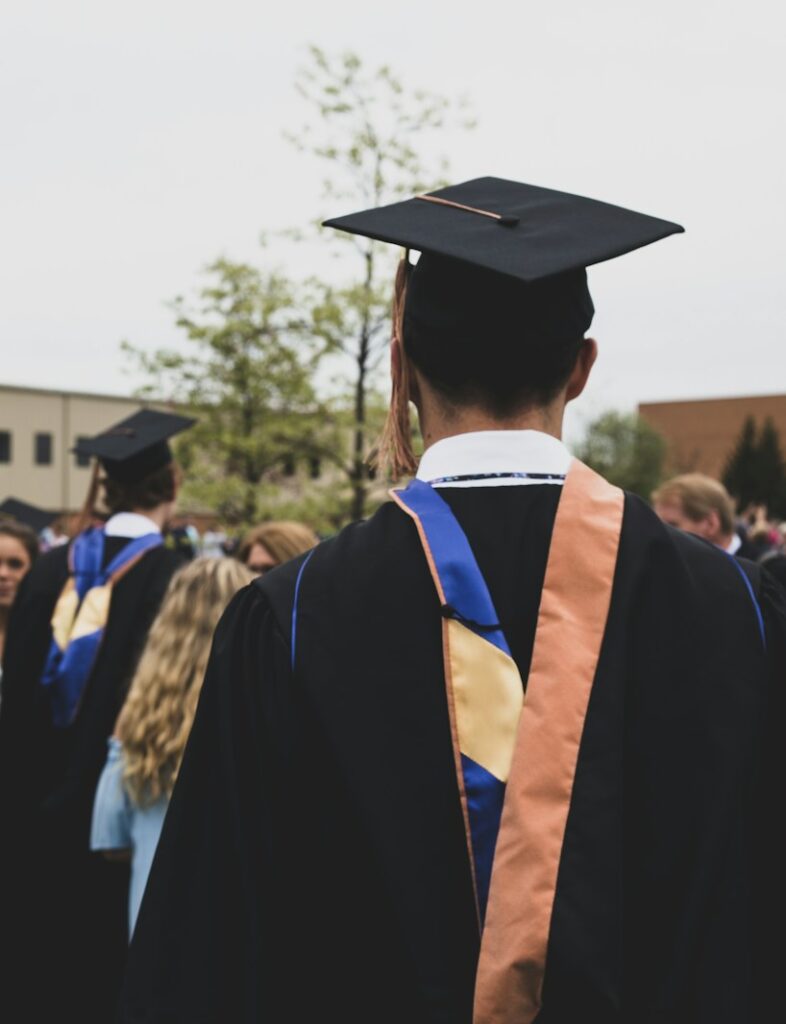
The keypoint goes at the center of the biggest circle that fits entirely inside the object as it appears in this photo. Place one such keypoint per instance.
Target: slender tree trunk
(251, 473)
(359, 473)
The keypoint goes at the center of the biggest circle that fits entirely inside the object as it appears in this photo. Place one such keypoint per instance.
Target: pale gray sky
(140, 141)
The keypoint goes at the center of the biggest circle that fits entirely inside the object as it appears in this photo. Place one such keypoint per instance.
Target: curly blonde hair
(158, 713)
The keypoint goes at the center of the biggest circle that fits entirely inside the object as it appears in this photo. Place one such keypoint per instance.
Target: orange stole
(571, 623)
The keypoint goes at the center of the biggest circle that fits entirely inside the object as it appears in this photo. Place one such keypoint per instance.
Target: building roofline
(60, 393)
(716, 398)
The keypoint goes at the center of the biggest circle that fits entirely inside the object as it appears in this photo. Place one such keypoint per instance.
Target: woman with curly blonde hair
(151, 732)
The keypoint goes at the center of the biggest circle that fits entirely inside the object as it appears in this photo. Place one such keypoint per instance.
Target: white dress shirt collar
(734, 544)
(130, 524)
(524, 456)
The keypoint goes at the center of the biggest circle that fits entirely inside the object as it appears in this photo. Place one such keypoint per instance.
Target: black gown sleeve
(135, 604)
(25, 723)
(204, 946)
(769, 879)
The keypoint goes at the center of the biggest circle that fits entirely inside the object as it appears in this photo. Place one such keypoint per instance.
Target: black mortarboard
(519, 230)
(503, 250)
(36, 518)
(137, 446)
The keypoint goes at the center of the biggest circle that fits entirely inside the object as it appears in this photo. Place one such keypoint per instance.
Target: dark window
(81, 460)
(314, 467)
(289, 465)
(5, 445)
(43, 449)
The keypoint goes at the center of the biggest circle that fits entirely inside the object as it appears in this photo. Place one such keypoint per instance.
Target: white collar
(130, 524)
(495, 451)
(734, 544)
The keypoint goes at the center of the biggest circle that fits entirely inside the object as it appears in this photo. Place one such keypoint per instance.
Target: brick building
(701, 433)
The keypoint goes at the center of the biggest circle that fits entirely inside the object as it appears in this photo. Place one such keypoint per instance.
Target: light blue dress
(118, 824)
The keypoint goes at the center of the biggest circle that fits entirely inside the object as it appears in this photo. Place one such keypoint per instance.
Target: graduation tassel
(88, 508)
(393, 452)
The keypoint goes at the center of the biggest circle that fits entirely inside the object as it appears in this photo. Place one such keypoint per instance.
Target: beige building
(38, 427)
(701, 434)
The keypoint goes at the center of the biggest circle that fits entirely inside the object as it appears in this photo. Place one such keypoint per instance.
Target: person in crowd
(181, 536)
(150, 736)
(371, 822)
(213, 540)
(701, 505)
(774, 560)
(75, 633)
(18, 551)
(272, 544)
(54, 535)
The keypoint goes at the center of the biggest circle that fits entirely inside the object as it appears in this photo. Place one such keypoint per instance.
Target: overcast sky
(140, 141)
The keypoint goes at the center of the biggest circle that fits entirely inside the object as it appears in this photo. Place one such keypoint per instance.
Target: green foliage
(371, 133)
(254, 340)
(625, 450)
(755, 472)
(247, 373)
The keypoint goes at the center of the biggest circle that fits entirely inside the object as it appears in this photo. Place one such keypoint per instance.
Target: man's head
(490, 341)
(140, 474)
(494, 322)
(480, 350)
(697, 504)
(156, 491)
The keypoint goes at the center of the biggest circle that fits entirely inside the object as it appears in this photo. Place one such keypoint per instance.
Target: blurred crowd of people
(701, 505)
(104, 637)
(157, 695)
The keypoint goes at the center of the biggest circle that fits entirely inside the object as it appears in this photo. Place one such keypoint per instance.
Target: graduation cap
(137, 446)
(496, 247)
(30, 515)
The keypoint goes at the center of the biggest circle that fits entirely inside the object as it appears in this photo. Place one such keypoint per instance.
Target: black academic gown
(64, 909)
(313, 865)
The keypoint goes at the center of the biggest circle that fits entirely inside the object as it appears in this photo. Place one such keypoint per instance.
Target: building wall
(701, 434)
(25, 412)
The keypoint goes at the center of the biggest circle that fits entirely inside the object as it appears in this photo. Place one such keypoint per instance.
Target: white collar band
(130, 524)
(495, 458)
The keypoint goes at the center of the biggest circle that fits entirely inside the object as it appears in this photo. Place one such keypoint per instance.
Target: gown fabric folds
(314, 864)
(64, 908)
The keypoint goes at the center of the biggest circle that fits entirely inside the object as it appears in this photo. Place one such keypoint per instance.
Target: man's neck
(437, 428)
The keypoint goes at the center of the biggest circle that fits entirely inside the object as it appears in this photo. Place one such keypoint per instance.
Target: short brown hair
(26, 537)
(284, 540)
(698, 495)
(149, 492)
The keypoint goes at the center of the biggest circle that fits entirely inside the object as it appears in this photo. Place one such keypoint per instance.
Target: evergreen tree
(770, 472)
(739, 474)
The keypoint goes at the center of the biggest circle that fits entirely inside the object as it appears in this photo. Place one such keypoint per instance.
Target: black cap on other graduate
(137, 446)
(504, 250)
(30, 515)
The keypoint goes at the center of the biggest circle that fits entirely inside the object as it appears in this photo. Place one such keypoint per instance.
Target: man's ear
(712, 526)
(582, 368)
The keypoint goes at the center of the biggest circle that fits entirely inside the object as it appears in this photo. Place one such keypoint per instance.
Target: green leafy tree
(626, 450)
(370, 133)
(739, 474)
(246, 371)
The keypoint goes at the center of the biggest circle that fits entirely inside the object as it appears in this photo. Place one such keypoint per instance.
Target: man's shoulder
(361, 553)
(682, 560)
(49, 572)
